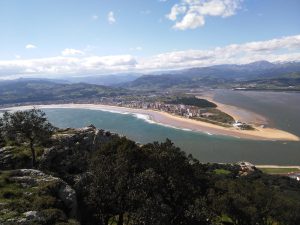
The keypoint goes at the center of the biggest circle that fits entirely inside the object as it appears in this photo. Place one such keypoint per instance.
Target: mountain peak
(261, 63)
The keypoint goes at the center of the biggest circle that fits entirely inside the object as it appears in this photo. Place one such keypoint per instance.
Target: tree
(30, 125)
(176, 186)
(150, 185)
(113, 169)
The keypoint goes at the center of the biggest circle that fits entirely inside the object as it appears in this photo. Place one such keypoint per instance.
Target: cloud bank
(76, 62)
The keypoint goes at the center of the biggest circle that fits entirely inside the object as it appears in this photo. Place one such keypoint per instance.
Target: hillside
(34, 90)
(85, 175)
(107, 80)
(290, 81)
(216, 76)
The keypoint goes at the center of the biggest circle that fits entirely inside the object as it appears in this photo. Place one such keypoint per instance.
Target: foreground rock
(31, 197)
(14, 157)
(48, 195)
(246, 168)
(68, 156)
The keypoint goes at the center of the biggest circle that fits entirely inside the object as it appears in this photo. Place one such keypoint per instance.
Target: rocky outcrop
(13, 157)
(246, 168)
(36, 198)
(48, 195)
(68, 147)
(6, 158)
(67, 158)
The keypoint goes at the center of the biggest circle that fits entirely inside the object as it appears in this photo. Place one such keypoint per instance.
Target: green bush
(52, 216)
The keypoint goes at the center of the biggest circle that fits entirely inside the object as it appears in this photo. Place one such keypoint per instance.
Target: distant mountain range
(107, 80)
(217, 76)
(260, 74)
(41, 90)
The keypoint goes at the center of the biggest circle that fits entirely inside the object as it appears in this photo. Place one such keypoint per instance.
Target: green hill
(20, 91)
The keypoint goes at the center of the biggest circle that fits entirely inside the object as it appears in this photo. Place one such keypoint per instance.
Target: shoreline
(174, 121)
(278, 166)
(238, 113)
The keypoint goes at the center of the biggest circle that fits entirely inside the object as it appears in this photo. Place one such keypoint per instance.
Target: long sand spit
(167, 119)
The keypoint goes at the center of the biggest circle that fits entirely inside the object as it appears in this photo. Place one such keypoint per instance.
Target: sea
(281, 109)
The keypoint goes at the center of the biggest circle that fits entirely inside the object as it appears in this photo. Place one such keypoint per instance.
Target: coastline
(178, 122)
(237, 113)
(278, 166)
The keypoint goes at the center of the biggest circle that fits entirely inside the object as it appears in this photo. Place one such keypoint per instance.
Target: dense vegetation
(217, 117)
(120, 182)
(193, 101)
(158, 184)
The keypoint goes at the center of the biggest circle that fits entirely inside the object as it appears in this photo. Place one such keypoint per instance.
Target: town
(197, 109)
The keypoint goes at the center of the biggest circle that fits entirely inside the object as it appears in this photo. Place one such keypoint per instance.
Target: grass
(65, 131)
(203, 119)
(221, 172)
(21, 155)
(192, 101)
(11, 197)
(220, 116)
(279, 170)
(16, 199)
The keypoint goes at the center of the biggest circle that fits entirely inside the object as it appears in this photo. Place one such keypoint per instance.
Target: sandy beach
(167, 119)
(237, 113)
(277, 166)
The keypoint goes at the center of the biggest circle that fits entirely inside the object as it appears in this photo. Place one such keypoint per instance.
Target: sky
(50, 38)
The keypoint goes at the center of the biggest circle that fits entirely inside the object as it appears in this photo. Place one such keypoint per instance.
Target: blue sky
(103, 36)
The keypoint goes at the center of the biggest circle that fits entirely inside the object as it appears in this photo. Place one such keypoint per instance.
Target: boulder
(67, 157)
(45, 199)
(246, 168)
(13, 157)
(29, 178)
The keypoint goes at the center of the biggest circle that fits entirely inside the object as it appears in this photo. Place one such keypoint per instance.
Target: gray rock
(30, 215)
(246, 168)
(10, 159)
(6, 158)
(68, 156)
(31, 178)
(68, 196)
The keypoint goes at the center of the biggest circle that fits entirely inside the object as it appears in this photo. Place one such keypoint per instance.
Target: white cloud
(111, 17)
(190, 14)
(66, 65)
(30, 46)
(190, 21)
(275, 50)
(175, 11)
(71, 52)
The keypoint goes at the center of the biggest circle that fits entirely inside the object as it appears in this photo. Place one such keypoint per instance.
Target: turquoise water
(206, 148)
